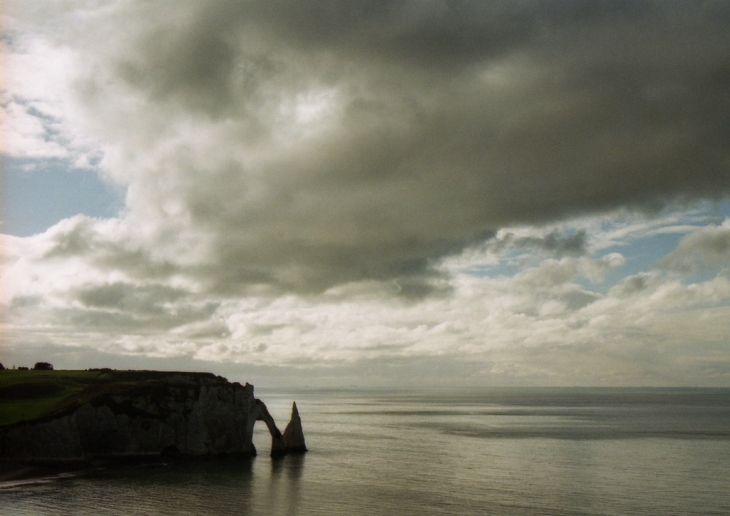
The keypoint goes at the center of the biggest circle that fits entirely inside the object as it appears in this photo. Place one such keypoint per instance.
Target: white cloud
(497, 322)
(702, 250)
(41, 116)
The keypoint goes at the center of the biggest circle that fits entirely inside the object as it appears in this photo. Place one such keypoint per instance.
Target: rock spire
(294, 435)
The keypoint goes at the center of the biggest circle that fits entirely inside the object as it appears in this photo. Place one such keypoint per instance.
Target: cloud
(311, 182)
(557, 272)
(39, 114)
(301, 147)
(549, 323)
(702, 250)
(536, 240)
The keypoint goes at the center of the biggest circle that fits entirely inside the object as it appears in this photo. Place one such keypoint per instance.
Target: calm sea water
(498, 452)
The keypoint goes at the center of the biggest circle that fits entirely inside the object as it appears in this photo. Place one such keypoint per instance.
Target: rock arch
(277, 440)
(292, 441)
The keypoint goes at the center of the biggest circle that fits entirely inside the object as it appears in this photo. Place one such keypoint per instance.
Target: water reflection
(295, 466)
(284, 484)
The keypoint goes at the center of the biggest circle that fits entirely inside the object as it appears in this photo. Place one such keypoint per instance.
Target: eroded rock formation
(277, 441)
(294, 435)
(183, 413)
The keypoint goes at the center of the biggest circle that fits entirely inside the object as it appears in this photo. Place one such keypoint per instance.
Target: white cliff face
(188, 414)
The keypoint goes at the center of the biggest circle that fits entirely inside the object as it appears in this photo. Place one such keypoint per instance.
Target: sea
(502, 451)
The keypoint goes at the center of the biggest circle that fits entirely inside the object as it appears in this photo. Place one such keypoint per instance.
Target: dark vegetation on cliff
(27, 395)
(32, 395)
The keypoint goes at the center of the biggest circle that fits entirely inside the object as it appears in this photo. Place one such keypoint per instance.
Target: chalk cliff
(160, 413)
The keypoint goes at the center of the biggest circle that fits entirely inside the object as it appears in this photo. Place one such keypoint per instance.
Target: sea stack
(294, 435)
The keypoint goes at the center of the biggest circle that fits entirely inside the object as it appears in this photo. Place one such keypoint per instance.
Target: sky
(369, 193)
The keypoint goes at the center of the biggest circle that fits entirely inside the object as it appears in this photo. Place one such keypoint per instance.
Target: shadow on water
(212, 486)
(189, 486)
(293, 465)
(296, 466)
(226, 485)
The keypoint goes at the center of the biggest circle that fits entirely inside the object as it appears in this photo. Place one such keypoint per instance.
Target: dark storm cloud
(423, 127)
(124, 296)
(124, 307)
(80, 237)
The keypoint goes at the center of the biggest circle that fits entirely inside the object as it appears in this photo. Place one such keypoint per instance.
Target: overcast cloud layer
(327, 183)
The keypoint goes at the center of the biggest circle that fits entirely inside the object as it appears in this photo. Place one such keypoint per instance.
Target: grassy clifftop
(30, 395)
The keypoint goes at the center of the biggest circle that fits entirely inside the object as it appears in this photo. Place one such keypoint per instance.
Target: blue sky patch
(36, 194)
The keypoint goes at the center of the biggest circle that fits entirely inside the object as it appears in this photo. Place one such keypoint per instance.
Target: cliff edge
(138, 413)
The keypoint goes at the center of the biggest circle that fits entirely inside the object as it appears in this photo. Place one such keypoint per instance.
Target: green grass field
(26, 395)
